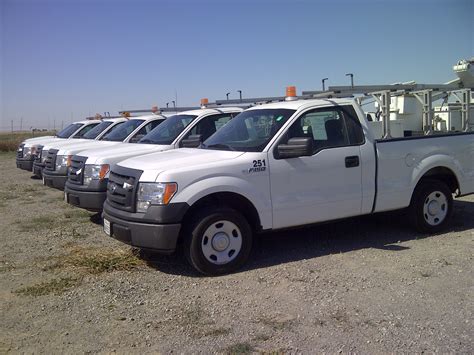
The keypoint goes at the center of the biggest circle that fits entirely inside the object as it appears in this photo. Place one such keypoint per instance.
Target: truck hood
(155, 163)
(43, 141)
(34, 139)
(120, 152)
(58, 144)
(87, 144)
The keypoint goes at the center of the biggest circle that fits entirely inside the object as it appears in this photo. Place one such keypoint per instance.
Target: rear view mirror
(296, 147)
(192, 141)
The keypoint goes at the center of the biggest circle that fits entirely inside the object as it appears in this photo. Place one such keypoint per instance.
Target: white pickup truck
(86, 186)
(27, 150)
(96, 133)
(282, 165)
(58, 157)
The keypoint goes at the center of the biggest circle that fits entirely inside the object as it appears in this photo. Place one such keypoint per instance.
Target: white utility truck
(57, 157)
(86, 186)
(284, 164)
(27, 150)
(96, 133)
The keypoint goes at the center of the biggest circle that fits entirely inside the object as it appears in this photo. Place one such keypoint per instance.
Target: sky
(62, 60)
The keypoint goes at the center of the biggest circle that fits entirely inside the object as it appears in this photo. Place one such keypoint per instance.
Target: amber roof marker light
(290, 93)
(204, 102)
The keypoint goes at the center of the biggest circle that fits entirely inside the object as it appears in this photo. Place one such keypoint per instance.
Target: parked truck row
(208, 180)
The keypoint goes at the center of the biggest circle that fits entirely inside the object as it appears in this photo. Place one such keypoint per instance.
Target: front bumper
(24, 164)
(38, 169)
(160, 237)
(54, 180)
(89, 200)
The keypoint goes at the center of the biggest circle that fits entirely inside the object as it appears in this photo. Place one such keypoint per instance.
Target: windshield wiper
(219, 145)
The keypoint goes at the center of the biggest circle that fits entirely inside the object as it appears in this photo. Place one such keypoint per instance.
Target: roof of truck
(211, 110)
(297, 104)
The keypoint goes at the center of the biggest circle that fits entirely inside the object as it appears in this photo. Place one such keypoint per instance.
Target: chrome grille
(50, 162)
(121, 189)
(19, 152)
(76, 171)
(39, 152)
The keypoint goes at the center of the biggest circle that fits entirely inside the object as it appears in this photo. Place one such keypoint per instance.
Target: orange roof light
(291, 91)
(204, 102)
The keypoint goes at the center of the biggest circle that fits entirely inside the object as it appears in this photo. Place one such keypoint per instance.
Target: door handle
(352, 161)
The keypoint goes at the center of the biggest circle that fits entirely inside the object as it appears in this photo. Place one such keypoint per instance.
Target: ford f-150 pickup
(282, 165)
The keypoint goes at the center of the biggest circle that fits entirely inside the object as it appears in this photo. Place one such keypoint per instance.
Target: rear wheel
(217, 241)
(431, 206)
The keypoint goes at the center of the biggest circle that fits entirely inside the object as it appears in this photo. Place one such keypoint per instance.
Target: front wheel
(431, 206)
(217, 241)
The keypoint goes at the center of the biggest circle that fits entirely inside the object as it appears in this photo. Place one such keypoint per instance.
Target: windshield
(66, 132)
(167, 132)
(250, 131)
(122, 130)
(94, 132)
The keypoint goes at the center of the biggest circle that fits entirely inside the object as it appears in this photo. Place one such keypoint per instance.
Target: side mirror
(136, 138)
(296, 147)
(193, 141)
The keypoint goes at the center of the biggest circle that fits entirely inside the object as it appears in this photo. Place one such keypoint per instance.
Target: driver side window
(328, 128)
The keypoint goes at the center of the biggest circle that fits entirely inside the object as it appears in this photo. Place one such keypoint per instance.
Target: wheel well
(229, 199)
(442, 174)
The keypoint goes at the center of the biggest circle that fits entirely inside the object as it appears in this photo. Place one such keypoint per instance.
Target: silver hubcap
(222, 242)
(435, 208)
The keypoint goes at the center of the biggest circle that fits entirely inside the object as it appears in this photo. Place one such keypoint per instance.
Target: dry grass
(55, 286)
(239, 348)
(40, 223)
(9, 142)
(97, 261)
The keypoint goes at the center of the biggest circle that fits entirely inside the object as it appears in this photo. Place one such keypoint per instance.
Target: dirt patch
(365, 285)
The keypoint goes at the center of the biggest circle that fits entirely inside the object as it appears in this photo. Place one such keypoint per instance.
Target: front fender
(257, 194)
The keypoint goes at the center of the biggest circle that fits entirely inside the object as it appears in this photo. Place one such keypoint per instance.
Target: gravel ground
(367, 285)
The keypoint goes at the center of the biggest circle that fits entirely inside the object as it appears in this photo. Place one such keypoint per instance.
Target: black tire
(197, 244)
(433, 193)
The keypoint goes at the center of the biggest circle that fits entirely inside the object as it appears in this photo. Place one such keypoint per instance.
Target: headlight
(63, 160)
(28, 152)
(151, 193)
(95, 172)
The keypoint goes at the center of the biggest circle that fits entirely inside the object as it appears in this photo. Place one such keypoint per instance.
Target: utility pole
(227, 95)
(352, 79)
(324, 88)
(21, 124)
(12, 125)
(240, 94)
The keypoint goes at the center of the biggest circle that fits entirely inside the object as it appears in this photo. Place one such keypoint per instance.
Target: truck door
(326, 185)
